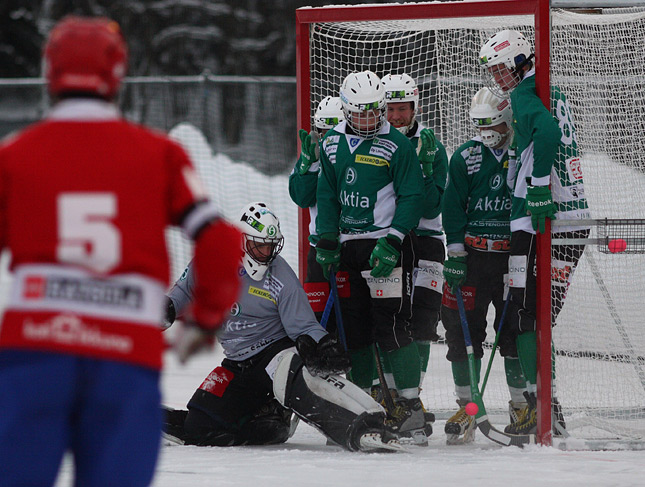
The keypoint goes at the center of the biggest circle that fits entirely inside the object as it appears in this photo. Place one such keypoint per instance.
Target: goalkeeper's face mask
(263, 239)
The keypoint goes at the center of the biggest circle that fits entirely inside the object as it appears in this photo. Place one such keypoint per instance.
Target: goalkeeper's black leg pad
(270, 425)
(336, 407)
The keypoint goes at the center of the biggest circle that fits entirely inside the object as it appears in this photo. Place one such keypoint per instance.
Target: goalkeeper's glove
(384, 257)
(539, 204)
(327, 253)
(309, 150)
(426, 150)
(191, 339)
(327, 357)
(454, 270)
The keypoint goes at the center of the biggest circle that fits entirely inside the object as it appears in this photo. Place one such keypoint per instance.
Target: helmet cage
(507, 49)
(489, 110)
(363, 100)
(263, 250)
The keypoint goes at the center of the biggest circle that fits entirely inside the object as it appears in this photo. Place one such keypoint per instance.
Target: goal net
(597, 60)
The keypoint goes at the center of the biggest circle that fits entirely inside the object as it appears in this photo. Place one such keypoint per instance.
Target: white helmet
(329, 113)
(401, 88)
(510, 49)
(359, 93)
(489, 110)
(262, 240)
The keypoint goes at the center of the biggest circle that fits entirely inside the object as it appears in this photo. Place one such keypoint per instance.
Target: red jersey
(85, 198)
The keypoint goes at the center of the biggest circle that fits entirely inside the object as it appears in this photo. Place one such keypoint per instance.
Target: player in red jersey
(84, 200)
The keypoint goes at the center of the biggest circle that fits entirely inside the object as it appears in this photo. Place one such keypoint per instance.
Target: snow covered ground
(305, 460)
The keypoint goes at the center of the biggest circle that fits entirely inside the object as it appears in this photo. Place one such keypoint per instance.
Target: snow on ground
(305, 460)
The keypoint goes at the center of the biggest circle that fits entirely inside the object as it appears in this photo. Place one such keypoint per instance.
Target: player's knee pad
(332, 404)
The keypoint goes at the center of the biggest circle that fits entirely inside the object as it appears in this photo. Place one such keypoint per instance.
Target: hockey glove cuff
(385, 256)
(539, 204)
(454, 272)
(309, 150)
(327, 253)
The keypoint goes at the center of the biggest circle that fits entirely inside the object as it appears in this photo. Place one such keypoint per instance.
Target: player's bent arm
(302, 188)
(218, 251)
(326, 196)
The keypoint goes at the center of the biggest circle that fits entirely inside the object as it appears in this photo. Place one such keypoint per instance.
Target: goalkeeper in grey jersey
(235, 404)
(547, 153)
(476, 214)
(402, 96)
(370, 197)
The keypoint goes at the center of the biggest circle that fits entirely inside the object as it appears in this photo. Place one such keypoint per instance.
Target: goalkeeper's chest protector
(84, 201)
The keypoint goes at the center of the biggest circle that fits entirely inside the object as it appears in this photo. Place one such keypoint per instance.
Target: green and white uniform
(547, 152)
(368, 188)
(477, 202)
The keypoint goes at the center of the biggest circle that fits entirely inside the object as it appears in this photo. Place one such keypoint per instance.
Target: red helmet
(87, 55)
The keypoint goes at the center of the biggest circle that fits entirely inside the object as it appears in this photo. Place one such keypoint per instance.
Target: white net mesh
(598, 60)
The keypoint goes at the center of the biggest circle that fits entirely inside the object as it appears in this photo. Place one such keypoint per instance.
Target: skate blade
(372, 443)
(467, 437)
(172, 439)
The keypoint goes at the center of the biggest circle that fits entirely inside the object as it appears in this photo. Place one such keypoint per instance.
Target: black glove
(170, 316)
(326, 357)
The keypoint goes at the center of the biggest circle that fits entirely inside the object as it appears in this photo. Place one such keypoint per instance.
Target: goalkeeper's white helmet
(503, 58)
(262, 239)
(363, 98)
(400, 88)
(328, 114)
(489, 110)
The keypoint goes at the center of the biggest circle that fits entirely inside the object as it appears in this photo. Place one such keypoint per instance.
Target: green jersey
(368, 188)
(477, 202)
(547, 152)
(430, 222)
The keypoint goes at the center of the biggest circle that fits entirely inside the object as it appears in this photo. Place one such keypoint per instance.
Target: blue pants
(106, 413)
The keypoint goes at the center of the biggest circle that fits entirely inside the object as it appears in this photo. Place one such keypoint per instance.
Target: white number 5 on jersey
(86, 236)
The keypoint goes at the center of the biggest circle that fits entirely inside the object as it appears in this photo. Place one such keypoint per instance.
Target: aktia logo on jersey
(354, 199)
(497, 204)
(236, 309)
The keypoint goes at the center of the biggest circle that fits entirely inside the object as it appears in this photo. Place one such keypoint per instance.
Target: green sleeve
(455, 200)
(544, 130)
(435, 186)
(329, 208)
(407, 179)
(302, 189)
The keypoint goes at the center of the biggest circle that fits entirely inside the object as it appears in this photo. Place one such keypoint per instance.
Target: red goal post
(322, 63)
